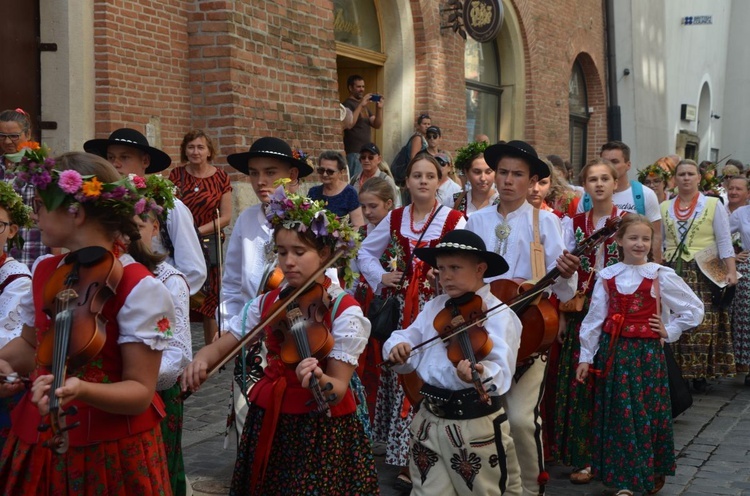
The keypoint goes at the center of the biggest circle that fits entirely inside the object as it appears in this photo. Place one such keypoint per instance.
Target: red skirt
(127, 466)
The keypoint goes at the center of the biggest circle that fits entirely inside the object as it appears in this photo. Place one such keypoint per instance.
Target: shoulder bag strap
(537, 250)
(458, 201)
(411, 255)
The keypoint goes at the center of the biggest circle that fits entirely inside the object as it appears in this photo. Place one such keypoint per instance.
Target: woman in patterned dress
(116, 445)
(293, 442)
(377, 197)
(573, 400)
(205, 188)
(739, 222)
(395, 237)
(692, 222)
(632, 446)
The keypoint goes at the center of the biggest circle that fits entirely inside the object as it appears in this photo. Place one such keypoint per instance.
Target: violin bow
(250, 336)
(220, 261)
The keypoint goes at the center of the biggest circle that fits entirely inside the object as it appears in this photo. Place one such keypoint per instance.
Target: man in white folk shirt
(508, 228)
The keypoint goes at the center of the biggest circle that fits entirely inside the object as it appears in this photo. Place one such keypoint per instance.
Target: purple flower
(70, 181)
(118, 192)
(140, 206)
(319, 224)
(41, 181)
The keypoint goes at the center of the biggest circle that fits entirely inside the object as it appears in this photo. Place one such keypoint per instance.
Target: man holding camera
(360, 132)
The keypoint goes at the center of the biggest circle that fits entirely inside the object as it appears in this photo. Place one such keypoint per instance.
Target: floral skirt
(392, 419)
(705, 351)
(127, 466)
(6, 406)
(574, 402)
(741, 316)
(171, 429)
(633, 439)
(311, 455)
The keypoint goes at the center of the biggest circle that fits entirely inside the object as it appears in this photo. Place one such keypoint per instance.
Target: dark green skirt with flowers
(633, 439)
(171, 431)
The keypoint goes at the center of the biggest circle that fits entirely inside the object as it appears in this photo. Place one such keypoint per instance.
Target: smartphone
(375, 97)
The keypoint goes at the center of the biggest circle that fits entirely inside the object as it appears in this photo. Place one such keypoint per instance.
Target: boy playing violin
(471, 458)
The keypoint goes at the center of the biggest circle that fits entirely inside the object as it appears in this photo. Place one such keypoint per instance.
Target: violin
(73, 298)
(305, 335)
(273, 314)
(474, 344)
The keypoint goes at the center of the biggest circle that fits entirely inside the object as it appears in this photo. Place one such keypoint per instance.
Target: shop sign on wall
(697, 20)
(481, 19)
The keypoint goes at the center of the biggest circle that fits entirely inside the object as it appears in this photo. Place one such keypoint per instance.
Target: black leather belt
(463, 404)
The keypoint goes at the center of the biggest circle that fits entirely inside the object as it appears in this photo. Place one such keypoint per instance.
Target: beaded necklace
(685, 213)
(427, 223)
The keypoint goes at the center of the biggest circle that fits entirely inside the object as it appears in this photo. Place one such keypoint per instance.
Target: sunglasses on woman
(322, 171)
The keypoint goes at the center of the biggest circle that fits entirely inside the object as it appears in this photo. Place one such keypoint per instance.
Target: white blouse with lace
(179, 353)
(676, 296)
(10, 298)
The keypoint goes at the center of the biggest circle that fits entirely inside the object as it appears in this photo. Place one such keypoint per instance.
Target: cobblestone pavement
(712, 440)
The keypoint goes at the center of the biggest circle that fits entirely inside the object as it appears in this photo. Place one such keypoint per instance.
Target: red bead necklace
(684, 213)
(427, 223)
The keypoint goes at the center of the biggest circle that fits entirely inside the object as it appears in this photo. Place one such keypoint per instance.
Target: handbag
(384, 312)
(679, 389)
(210, 252)
(575, 304)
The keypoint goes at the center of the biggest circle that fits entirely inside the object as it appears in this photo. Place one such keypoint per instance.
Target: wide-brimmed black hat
(518, 149)
(269, 147)
(130, 137)
(461, 240)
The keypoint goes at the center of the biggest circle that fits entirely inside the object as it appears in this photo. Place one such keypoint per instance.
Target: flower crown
(655, 169)
(126, 196)
(18, 212)
(467, 153)
(710, 183)
(292, 211)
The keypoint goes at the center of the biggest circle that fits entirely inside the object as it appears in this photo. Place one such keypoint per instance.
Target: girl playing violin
(112, 442)
(288, 445)
(622, 335)
(15, 282)
(471, 459)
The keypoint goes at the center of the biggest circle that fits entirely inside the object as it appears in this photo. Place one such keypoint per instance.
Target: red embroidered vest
(582, 230)
(296, 399)
(96, 425)
(636, 310)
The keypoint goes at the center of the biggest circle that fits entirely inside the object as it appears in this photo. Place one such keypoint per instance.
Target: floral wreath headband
(18, 212)
(655, 169)
(131, 195)
(292, 211)
(467, 153)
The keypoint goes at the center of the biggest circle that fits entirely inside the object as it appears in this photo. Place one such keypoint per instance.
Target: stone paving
(712, 440)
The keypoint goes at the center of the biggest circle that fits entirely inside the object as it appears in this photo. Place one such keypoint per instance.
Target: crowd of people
(471, 318)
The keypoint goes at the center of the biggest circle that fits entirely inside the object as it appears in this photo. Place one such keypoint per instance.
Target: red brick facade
(242, 69)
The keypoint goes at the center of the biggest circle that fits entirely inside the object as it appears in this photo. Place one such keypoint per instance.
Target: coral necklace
(427, 223)
(684, 213)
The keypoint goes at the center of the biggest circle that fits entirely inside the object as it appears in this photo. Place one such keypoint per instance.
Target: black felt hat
(517, 149)
(130, 137)
(461, 240)
(269, 147)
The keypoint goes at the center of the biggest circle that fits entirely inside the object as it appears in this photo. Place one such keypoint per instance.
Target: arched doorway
(359, 47)
(579, 117)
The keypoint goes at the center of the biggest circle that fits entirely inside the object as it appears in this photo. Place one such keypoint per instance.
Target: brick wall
(141, 68)
(264, 68)
(556, 34)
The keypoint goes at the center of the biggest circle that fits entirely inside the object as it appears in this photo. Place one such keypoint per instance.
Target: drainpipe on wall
(614, 121)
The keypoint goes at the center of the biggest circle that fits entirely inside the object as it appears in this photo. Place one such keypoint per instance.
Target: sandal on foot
(403, 482)
(624, 492)
(658, 484)
(581, 475)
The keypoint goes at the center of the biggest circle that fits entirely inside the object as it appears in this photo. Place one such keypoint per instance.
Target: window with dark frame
(483, 92)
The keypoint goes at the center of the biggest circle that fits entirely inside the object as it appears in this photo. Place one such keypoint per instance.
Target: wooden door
(20, 85)
(370, 73)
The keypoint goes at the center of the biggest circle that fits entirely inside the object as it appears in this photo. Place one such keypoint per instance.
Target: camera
(375, 97)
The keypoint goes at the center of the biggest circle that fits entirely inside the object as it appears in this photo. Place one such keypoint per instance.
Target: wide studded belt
(463, 404)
